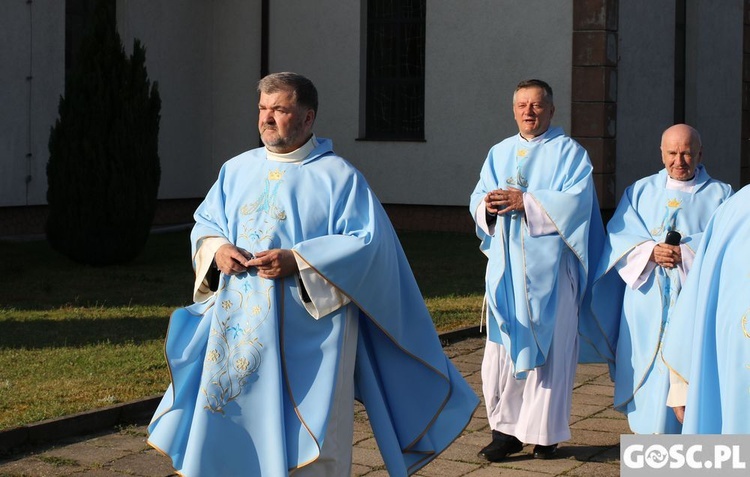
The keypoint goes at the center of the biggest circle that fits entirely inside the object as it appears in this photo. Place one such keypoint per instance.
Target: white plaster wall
(714, 83)
(645, 87)
(205, 56)
(34, 47)
(477, 51)
(645, 96)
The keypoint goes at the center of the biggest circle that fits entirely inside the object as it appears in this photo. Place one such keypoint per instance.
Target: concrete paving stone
(587, 398)
(360, 470)
(604, 380)
(144, 464)
(476, 424)
(596, 390)
(595, 469)
(592, 450)
(369, 443)
(97, 473)
(367, 457)
(361, 436)
(86, 454)
(594, 438)
(579, 409)
(525, 461)
(592, 368)
(583, 453)
(446, 468)
(617, 426)
(377, 473)
(494, 470)
(481, 413)
(460, 451)
(471, 359)
(610, 456)
(119, 441)
(612, 414)
(33, 467)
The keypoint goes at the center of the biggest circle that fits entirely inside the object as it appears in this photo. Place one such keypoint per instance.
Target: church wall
(31, 81)
(714, 83)
(476, 54)
(646, 84)
(206, 58)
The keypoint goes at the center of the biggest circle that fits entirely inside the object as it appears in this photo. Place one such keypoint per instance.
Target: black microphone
(213, 276)
(673, 238)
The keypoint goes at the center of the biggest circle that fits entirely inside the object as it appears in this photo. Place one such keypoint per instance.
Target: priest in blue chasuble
(651, 243)
(315, 306)
(708, 343)
(539, 223)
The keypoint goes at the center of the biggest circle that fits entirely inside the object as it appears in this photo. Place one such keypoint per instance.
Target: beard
(275, 142)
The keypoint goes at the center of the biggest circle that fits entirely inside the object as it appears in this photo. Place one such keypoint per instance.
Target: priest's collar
(684, 186)
(298, 155)
(538, 138)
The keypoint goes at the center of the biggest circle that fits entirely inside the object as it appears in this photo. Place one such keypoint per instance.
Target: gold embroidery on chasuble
(669, 219)
(519, 179)
(234, 352)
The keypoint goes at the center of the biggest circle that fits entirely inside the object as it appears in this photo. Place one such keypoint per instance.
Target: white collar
(538, 138)
(298, 155)
(683, 186)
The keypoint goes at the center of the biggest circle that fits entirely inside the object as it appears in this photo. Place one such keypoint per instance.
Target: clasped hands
(502, 201)
(667, 256)
(270, 264)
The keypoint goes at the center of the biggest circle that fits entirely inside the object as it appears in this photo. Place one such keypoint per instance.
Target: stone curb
(18, 439)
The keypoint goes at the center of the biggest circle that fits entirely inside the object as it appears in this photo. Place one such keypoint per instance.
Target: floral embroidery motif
(234, 349)
(234, 353)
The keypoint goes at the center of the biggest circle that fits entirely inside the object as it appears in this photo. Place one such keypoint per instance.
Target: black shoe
(545, 452)
(502, 446)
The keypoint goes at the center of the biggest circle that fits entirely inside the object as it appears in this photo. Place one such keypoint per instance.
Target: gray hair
(302, 89)
(536, 83)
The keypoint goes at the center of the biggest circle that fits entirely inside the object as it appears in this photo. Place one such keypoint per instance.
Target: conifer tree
(103, 171)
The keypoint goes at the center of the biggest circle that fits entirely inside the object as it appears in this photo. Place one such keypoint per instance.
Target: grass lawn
(74, 337)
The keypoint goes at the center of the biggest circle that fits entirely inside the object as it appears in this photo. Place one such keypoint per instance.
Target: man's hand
(667, 256)
(502, 201)
(276, 263)
(232, 260)
(679, 413)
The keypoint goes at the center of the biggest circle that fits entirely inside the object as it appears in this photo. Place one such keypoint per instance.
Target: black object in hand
(213, 277)
(673, 238)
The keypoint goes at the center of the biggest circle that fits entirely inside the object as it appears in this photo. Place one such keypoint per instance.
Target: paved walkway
(592, 451)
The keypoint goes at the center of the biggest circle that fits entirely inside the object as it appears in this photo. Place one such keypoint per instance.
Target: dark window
(394, 83)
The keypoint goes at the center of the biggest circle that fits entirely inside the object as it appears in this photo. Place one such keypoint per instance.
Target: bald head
(681, 151)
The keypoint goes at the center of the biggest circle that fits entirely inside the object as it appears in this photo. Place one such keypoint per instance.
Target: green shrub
(103, 171)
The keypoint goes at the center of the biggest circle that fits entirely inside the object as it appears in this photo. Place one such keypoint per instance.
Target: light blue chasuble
(253, 373)
(708, 339)
(522, 272)
(635, 319)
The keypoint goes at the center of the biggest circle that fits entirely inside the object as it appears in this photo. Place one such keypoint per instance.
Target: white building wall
(206, 58)
(645, 90)
(713, 88)
(477, 52)
(31, 80)
(645, 87)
